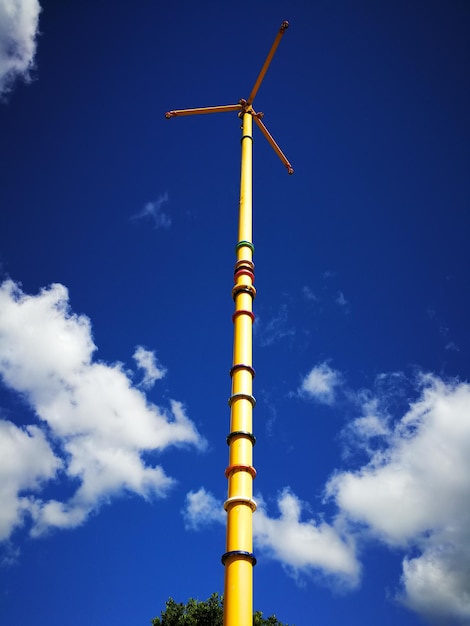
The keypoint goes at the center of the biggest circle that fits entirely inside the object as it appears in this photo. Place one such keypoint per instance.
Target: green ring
(246, 244)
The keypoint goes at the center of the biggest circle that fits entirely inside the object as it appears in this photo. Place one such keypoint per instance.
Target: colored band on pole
(241, 433)
(243, 312)
(246, 244)
(244, 264)
(242, 396)
(240, 500)
(240, 553)
(246, 137)
(242, 366)
(244, 272)
(249, 289)
(242, 468)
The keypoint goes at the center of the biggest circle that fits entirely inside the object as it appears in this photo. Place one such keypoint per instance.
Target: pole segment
(238, 558)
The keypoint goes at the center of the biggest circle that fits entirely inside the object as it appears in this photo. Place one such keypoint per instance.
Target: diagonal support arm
(200, 111)
(257, 117)
(267, 63)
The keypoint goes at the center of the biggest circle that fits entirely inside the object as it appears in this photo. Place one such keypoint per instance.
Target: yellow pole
(238, 558)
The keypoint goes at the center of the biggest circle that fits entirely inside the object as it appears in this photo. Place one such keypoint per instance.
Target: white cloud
(415, 494)
(100, 424)
(202, 509)
(321, 384)
(147, 361)
(369, 426)
(369, 431)
(301, 546)
(26, 462)
(437, 584)
(305, 546)
(153, 210)
(18, 31)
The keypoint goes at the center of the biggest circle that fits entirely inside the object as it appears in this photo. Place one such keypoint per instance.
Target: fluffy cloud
(99, 424)
(202, 509)
(26, 462)
(304, 546)
(147, 361)
(436, 584)
(18, 31)
(321, 384)
(301, 546)
(415, 494)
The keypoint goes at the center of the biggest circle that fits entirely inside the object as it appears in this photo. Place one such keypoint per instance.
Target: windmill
(239, 559)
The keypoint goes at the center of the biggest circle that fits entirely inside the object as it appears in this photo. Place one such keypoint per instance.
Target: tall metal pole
(238, 558)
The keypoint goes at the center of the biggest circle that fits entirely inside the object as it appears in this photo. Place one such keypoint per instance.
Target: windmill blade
(202, 110)
(272, 142)
(264, 69)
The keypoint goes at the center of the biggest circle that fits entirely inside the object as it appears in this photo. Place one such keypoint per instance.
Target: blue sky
(117, 234)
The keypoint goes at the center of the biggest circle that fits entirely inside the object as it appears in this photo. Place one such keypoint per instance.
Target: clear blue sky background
(117, 229)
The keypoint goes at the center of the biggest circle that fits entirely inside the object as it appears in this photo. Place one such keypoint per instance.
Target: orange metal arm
(271, 140)
(202, 110)
(269, 58)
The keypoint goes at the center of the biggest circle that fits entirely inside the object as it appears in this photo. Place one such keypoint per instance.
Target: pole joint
(246, 107)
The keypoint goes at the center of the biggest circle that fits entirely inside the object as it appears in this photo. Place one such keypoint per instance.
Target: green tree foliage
(203, 613)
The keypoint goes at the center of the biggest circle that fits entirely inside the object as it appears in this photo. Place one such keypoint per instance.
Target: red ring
(243, 312)
(244, 272)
